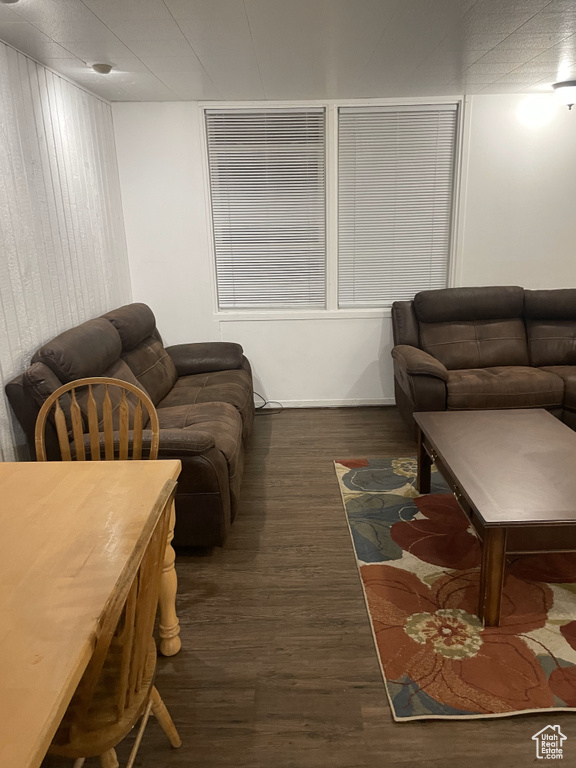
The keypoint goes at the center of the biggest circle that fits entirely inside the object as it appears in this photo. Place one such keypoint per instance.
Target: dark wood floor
(278, 667)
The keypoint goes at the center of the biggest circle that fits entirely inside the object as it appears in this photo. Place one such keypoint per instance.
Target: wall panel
(62, 245)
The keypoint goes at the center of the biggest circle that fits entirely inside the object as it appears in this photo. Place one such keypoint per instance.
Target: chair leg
(139, 735)
(109, 759)
(163, 716)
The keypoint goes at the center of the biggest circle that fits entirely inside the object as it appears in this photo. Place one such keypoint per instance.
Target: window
(394, 171)
(268, 194)
(395, 192)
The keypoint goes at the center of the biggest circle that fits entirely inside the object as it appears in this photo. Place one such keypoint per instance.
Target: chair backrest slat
(108, 426)
(127, 639)
(124, 426)
(77, 427)
(137, 432)
(93, 426)
(62, 431)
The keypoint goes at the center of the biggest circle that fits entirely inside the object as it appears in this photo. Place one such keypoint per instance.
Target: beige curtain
(62, 245)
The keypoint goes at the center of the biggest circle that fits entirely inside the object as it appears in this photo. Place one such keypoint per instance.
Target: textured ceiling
(298, 49)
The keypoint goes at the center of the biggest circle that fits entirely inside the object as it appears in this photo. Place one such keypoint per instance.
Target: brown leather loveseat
(202, 392)
(493, 347)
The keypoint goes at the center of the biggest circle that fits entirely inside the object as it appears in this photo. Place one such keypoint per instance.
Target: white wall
(62, 246)
(515, 227)
(164, 202)
(519, 221)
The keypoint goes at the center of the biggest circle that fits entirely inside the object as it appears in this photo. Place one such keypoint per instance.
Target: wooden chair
(98, 413)
(118, 684)
(105, 418)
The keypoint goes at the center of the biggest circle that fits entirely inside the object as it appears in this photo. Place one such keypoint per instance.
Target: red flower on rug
(353, 463)
(432, 635)
(563, 680)
(443, 538)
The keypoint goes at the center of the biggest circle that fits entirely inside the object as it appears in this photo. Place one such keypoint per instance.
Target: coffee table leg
(424, 466)
(492, 575)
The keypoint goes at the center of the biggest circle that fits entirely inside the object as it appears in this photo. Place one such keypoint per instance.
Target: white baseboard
(348, 403)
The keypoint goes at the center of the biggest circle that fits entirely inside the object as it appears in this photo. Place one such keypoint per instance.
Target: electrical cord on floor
(268, 411)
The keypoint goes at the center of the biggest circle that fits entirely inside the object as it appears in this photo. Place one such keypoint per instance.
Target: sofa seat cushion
(568, 375)
(503, 387)
(233, 387)
(220, 420)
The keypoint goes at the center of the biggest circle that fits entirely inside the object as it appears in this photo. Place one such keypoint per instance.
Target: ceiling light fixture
(566, 92)
(102, 69)
(8, 2)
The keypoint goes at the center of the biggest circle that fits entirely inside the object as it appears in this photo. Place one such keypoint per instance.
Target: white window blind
(395, 195)
(268, 194)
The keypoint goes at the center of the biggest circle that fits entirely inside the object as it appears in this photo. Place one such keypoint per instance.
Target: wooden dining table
(69, 536)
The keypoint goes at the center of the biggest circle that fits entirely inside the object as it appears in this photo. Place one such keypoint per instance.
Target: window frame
(332, 311)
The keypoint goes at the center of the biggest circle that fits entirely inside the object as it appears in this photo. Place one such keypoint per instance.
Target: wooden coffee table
(513, 473)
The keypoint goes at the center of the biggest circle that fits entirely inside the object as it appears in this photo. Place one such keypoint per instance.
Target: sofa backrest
(551, 326)
(473, 327)
(142, 349)
(90, 349)
(405, 324)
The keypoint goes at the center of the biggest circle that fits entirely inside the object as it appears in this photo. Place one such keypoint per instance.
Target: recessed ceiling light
(102, 69)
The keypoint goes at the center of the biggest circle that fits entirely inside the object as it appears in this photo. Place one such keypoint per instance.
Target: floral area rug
(419, 560)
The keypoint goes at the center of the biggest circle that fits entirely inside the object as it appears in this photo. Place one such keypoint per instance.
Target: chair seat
(503, 387)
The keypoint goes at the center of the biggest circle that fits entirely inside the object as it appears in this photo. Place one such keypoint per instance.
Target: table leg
(170, 642)
(492, 575)
(424, 466)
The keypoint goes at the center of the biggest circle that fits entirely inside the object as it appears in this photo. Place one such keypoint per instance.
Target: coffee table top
(514, 467)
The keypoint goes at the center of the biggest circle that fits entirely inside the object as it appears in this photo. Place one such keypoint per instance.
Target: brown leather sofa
(202, 392)
(493, 347)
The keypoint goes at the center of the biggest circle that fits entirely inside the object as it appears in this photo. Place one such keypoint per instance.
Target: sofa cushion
(220, 420)
(557, 304)
(568, 375)
(551, 326)
(153, 367)
(219, 386)
(134, 323)
(503, 387)
(552, 342)
(476, 343)
(90, 349)
(485, 303)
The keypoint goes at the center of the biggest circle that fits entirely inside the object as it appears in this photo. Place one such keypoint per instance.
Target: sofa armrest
(205, 357)
(416, 362)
